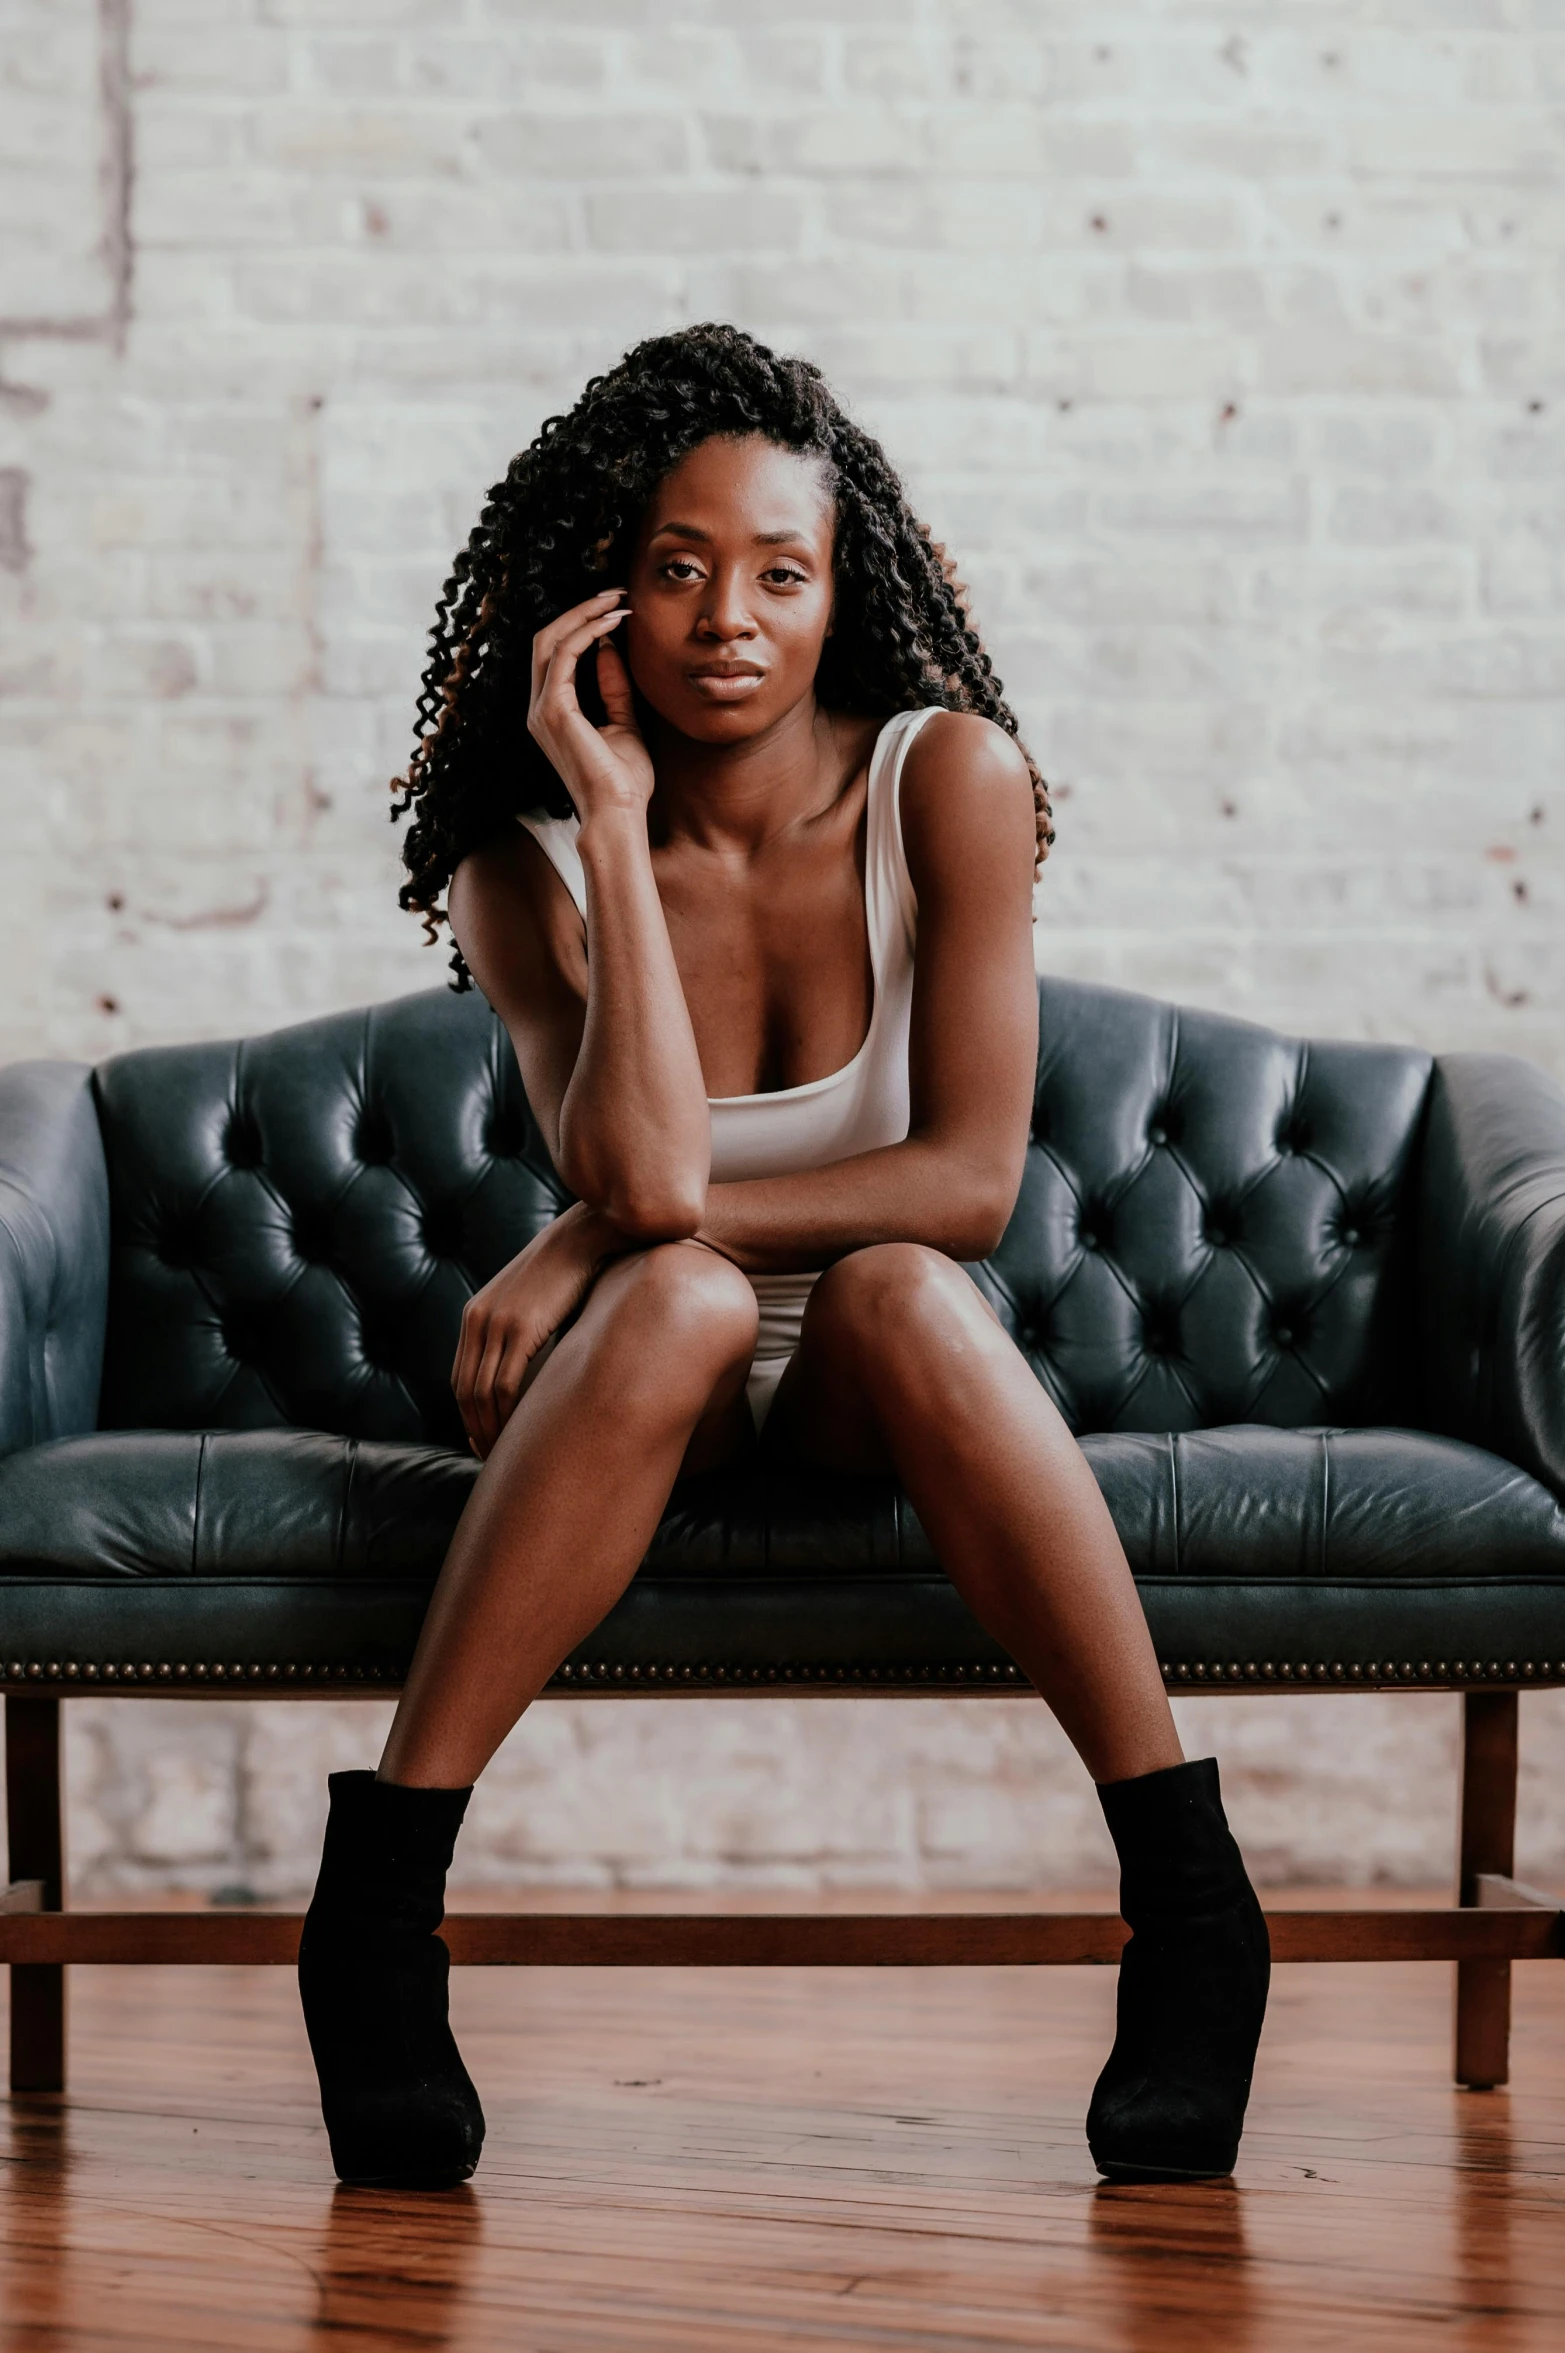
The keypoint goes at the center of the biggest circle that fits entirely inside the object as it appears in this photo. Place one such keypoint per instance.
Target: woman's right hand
(601, 767)
(507, 1323)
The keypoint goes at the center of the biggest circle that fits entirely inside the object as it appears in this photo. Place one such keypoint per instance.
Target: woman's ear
(614, 685)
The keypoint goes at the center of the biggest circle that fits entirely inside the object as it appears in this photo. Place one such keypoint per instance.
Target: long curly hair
(561, 524)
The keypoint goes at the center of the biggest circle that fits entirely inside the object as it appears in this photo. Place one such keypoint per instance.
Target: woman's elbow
(650, 1214)
(645, 1209)
(979, 1221)
(646, 1204)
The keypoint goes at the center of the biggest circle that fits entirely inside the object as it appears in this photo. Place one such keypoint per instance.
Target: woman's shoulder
(512, 913)
(962, 750)
(966, 795)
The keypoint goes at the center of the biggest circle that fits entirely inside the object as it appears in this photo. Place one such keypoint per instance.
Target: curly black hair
(560, 524)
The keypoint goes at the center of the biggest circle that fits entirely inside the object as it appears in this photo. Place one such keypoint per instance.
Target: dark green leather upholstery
(299, 1218)
(284, 1550)
(1214, 1221)
(54, 1253)
(1492, 1258)
(1306, 1302)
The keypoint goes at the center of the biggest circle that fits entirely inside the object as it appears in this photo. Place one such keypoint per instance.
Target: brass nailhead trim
(1385, 1671)
(178, 1671)
(602, 1671)
(574, 1675)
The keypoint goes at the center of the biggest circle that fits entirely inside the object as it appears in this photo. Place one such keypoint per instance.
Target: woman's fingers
(575, 614)
(564, 624)
(472, 1374)
(486, 1419)
(510, 1380)
(554, 699)
(498, 1381)
(469, 1348)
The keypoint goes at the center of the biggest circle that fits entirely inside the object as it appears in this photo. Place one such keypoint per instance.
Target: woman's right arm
(600, 1027)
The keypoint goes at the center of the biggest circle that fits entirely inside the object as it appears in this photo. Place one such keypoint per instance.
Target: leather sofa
(1304, 1302)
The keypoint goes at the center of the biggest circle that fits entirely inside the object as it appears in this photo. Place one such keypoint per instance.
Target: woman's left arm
(968, 828)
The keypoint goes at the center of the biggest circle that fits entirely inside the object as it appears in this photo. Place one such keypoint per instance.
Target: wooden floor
(731, 2162)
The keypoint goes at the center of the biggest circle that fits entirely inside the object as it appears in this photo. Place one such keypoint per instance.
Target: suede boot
(400, 2108)
(1192, 1983)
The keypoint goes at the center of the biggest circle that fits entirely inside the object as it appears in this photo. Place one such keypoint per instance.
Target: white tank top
(864, 1104)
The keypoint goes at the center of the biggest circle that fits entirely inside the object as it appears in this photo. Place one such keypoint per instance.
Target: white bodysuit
(855, 1109)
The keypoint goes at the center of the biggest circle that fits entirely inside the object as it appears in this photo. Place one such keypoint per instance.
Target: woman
(762, 942)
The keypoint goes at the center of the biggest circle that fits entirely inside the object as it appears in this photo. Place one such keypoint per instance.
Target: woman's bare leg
(903, 1367)
(649, 1379)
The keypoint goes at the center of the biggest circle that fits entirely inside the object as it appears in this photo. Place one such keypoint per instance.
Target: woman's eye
(783, 575)
(682, 568)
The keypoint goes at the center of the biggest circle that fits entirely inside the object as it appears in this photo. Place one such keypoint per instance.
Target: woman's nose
(724, 614)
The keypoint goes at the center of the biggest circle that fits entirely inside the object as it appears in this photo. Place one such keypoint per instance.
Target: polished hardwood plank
(718, 2161)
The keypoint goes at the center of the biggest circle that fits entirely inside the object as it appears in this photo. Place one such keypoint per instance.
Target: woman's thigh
(724, 1434)
(829, 1408)
(611, 1317)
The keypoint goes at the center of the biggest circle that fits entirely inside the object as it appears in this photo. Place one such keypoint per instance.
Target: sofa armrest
(54, 1253)
(1491, 1259)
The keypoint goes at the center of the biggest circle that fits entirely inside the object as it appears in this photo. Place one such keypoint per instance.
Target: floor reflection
(397, 2265)
(36, 2162)
(1484, 2194)
(1175, 2250)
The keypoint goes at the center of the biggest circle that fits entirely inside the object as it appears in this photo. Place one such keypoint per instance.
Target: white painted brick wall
(1225, 346)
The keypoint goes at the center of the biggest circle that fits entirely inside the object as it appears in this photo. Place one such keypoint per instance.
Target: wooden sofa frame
(1494, 1921)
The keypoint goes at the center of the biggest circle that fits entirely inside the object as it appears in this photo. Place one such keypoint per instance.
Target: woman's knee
(892, 1290)
(685, 1297)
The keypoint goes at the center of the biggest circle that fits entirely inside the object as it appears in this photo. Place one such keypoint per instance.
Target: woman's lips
(726, 686)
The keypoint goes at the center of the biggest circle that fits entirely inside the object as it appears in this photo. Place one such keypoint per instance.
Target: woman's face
(731, 589)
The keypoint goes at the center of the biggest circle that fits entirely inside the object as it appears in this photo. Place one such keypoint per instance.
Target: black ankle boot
(400, 2107)
(1192, 1983)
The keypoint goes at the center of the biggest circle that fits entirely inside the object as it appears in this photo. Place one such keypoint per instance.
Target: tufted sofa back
(1215, 1222)
(1212, 1226)
(298, 1219)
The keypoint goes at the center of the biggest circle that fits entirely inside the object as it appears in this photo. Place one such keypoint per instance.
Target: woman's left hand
(507, 1323)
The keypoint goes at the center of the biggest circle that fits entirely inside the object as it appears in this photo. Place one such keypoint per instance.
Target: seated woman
(752, 893)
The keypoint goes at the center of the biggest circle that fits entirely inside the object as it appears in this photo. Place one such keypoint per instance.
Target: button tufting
(1283, 1335)
(442, 1230)
(242, 1342)
(1157, 1134)
(377, 1348)
(242, 1143)
(311, 1240)
(373, 1141)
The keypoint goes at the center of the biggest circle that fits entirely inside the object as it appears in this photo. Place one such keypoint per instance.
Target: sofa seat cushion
(283, 1553)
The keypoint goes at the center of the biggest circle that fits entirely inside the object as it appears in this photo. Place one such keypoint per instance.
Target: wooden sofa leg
(35, 1835)
(1487, 1845)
